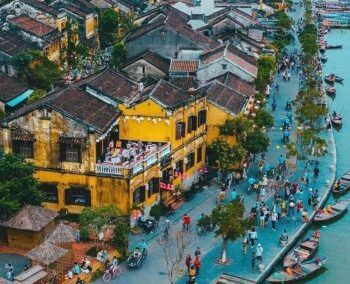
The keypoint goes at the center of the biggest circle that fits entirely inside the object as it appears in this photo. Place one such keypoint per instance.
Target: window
(70, 153)
(179, 167)
(199, 154)
(192, 123)
(50, 192)
(153, 186)
(190, 161)
(139, 195)
(202, 117)
(140, 69)
(24, 148)
(224, 66)
(77, 195)
(180, 130)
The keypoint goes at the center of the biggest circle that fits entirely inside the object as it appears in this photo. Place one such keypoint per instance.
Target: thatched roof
(46, 253)
(31, 218)
(62, 234)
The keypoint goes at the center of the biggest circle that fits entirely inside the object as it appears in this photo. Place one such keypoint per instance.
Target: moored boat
(331, 91)
(303, 271)
(305, 251)
(331, 78)
(342, 185)
(331, 212)
(336, 119)
(323, 58)
(334, 46)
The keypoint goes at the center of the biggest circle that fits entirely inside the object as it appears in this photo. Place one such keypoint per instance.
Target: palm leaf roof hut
(49, 255)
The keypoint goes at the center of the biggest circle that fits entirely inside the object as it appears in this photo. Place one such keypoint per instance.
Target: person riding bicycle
(186, 221)
(284, 237)
(142, 245)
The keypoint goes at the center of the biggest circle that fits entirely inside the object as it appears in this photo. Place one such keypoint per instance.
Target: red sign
(165, 186)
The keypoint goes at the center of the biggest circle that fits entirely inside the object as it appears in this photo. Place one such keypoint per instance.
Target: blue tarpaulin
(17, 100)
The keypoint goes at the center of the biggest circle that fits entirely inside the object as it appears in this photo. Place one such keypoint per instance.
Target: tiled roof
(114, 85)
(183, 65)
(77, 105)
(176, 23)
(78, 7)
(154, 59)
(219, 13)
(243, 14)
(185, 83)
(169, 95)
(164, 9)
(233, 54)
(11, 44)
(226, 98)
(236, 83)
(10, 88)
(31, 25)
(42, 6)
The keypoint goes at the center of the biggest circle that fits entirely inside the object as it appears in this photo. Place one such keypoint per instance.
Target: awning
(22, 137)
(71, 140)
(22, 97)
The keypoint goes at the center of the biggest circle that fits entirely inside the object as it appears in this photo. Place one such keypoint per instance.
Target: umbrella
(251, 181)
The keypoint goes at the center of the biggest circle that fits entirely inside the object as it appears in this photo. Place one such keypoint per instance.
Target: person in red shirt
(197, 265)
(186, 220)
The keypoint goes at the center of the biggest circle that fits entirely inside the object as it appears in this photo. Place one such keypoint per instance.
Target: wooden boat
(342, 185)
(329, 79)
(336, 210)
(305, 251)
(305, 270)
(337, 119)
(338, 79)
(334, 46)
(323, 58)
(331, 91)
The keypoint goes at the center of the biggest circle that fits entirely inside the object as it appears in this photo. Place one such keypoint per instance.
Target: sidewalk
(240, 265)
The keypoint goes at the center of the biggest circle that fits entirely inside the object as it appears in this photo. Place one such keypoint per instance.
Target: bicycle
(108, 275)
(164, 234)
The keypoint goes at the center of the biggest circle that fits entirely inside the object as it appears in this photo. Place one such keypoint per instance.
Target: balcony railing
(135, 167)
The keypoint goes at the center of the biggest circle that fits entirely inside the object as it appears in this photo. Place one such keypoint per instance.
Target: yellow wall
(216, 117)
(91, 26)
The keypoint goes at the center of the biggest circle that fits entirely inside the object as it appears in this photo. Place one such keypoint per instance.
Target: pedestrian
(244, 245)
(307, 177)
(188, 262)
(309, 198)
(274, 217)
(197, 265)
(254, 237)
(197, 253)
(316, 172)
(77, 236)
(192, 275)
(253, 261)
(291, 208)
(262, 219)
(259, 251)
(233, 195)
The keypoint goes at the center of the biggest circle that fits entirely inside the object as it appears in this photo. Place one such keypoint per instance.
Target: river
(335, 237)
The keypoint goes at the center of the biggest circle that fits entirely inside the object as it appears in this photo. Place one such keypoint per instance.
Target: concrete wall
(133, 70)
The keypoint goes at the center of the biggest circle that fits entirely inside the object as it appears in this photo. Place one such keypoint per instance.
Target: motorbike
(136, 259)
(148, 225)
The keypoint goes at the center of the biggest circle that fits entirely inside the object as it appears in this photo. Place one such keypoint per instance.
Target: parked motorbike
(136, 258)
(148, 225)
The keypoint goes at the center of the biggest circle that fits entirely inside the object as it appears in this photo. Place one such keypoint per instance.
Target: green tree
(121, 236)
(230, 224)
(266, 65)
(18, 186)
(75, 48)
(118, 55)
(256, 142)
(264, 118)
(36, 95)
(99, 219)
(284, 22)
(36, 70)
(108, 27)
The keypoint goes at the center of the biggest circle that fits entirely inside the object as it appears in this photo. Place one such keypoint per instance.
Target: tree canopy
(266, 65)
(18, 186)
(108, 27)
(256, 142)
(36, 70)
(36, 95)
(264, 118)
(230, 223)
(118, 55)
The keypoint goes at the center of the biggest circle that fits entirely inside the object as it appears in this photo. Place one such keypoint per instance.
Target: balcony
(129, 169)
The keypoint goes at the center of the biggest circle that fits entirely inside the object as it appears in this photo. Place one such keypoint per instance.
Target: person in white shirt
(259, 251)
(274, 217)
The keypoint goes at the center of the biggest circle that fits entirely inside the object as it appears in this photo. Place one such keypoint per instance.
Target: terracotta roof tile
(154, 59)
(185, 83)
(31, 25)
(182, 65)
(11, 44)
(236, 83)
(114, 85)
(169, 95)
(226, 98)
(10, 88)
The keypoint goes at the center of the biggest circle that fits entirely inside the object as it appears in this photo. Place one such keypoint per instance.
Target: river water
(335, 237)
